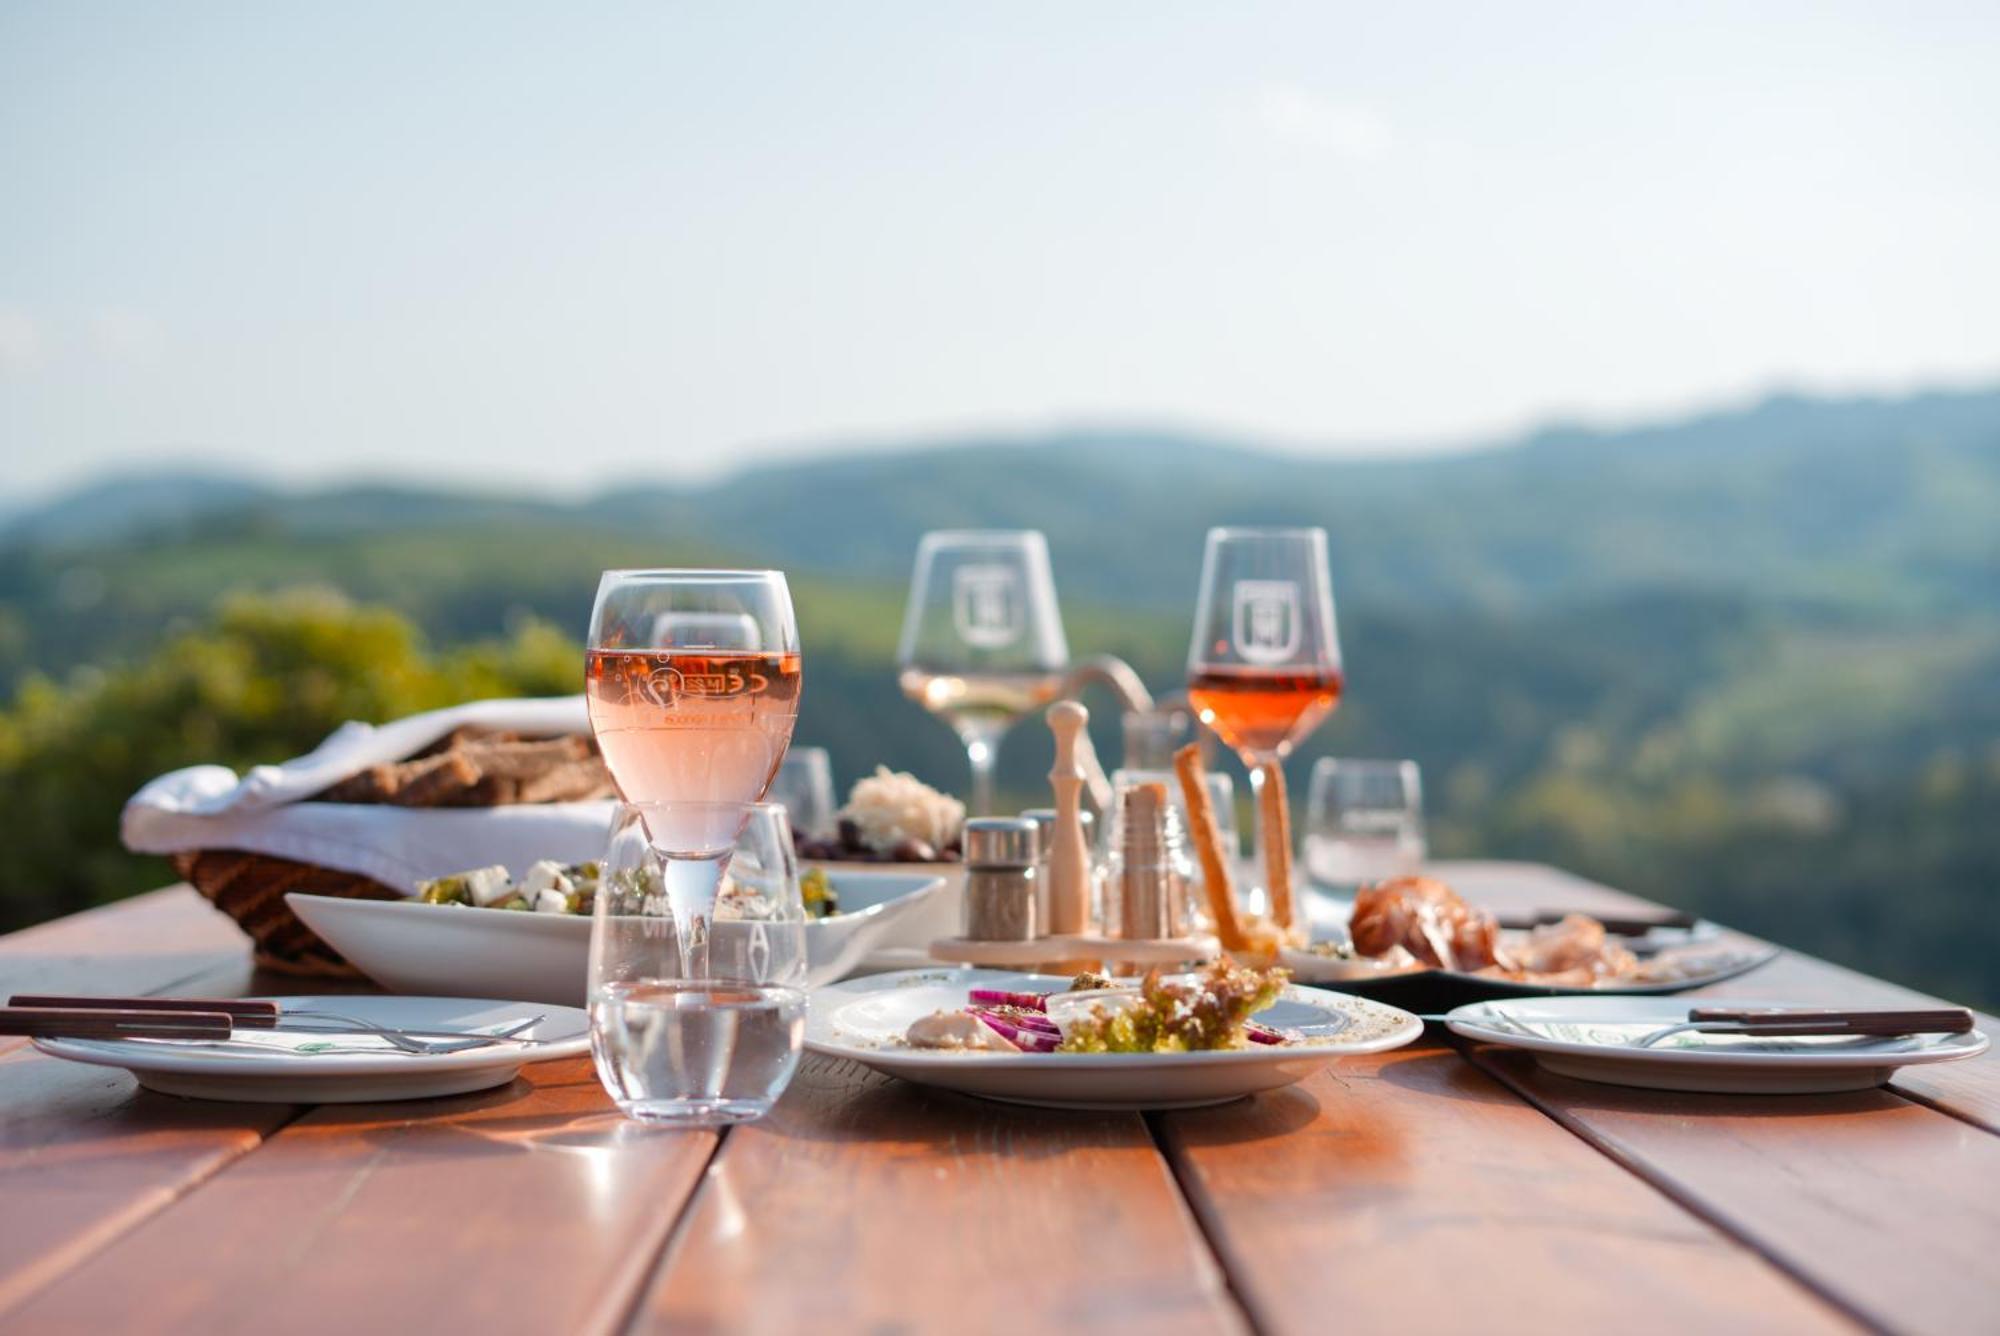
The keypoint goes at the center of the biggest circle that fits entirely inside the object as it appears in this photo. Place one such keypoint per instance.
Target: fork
(253, 1014)
(239, 1043)
(412, 1041)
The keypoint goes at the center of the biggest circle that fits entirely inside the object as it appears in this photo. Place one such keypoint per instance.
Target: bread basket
(468, 768)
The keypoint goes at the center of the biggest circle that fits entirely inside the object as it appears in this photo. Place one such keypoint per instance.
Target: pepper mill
(1069, 859)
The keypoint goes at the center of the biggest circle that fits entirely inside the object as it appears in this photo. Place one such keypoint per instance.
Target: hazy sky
(549, 243)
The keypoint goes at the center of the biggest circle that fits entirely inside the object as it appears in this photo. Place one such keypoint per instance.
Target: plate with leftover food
(1599, 1039)
(337, 1061)
(1164, 1042)
(485, 934)
(1414, 942)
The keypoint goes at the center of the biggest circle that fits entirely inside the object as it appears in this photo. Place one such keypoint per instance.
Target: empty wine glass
(982, 638)
(708, 1041)
(1264, 662)
(1364, 821)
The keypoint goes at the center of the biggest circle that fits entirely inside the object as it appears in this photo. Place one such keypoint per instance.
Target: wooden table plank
(140, 945)
(1410, 1192)
(867, 1204)
(533, 1208)
(1882, 1204)
(85, 1155)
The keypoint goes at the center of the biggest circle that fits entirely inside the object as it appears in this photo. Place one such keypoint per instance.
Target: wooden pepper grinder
(1069, 859)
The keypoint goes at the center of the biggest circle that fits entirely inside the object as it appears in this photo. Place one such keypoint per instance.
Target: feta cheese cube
(488, 885)
(545, 876)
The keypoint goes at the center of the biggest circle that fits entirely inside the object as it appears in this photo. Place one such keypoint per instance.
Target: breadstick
(1277, 824)
(1207, 836)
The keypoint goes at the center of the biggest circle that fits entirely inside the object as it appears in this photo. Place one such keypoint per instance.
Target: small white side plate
(1591, 1037)
(865, 1019)
(456, 951)
(279, 1075)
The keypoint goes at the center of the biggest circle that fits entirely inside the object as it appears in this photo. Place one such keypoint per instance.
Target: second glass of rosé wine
(1264, 662)
(692, 679)
(982, 640)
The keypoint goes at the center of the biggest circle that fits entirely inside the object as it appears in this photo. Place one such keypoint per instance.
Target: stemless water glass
(1264, 661)
(982, 638)
(703, 1048)
(805, 786)
(1151, 737)
(1364, 821)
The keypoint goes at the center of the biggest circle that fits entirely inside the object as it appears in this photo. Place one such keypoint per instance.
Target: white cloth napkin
(209, 807)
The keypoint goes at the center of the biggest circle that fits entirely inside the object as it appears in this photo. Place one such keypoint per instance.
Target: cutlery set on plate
(213, 1022)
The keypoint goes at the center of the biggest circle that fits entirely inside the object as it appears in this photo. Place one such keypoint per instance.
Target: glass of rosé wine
(692, 679)
(1264, 663)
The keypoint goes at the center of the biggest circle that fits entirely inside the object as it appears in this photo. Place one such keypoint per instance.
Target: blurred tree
(264, 678)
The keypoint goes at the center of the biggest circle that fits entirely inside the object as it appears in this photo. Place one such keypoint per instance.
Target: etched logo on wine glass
(1265, 628)
(986, 605)
(662, 686)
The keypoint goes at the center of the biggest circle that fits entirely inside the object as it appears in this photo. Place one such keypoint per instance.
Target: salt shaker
(1002, 880)
(1149, 871)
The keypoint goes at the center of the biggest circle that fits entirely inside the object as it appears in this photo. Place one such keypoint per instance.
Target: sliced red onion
(997, 997)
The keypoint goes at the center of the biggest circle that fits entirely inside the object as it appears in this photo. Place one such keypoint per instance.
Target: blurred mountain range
(1884, 504)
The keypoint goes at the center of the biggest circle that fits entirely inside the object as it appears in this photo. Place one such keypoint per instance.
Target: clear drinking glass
(1151, 737)
(1221, 797)
(686, 1040)
(805, 786)
(1264, 662)
(1364, 821)
(982, 638)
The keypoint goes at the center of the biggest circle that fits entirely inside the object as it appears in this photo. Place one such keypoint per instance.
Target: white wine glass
(982, 640)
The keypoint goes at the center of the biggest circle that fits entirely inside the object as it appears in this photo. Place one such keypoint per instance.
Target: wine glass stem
(1260, 870)
(692, 886)
(982, 752)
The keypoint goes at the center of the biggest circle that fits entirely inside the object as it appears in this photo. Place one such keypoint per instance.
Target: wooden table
(1430, 1189)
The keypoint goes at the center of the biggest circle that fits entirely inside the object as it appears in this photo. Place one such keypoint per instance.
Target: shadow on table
(1519, 1072)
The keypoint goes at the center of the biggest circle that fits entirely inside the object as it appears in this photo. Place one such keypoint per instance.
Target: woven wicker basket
(471, 768)
(251, 889)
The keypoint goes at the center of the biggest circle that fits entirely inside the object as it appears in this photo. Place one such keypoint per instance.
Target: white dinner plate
(1591, 1038)
(865, 1019)
(277, 1067)
(408, 946)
